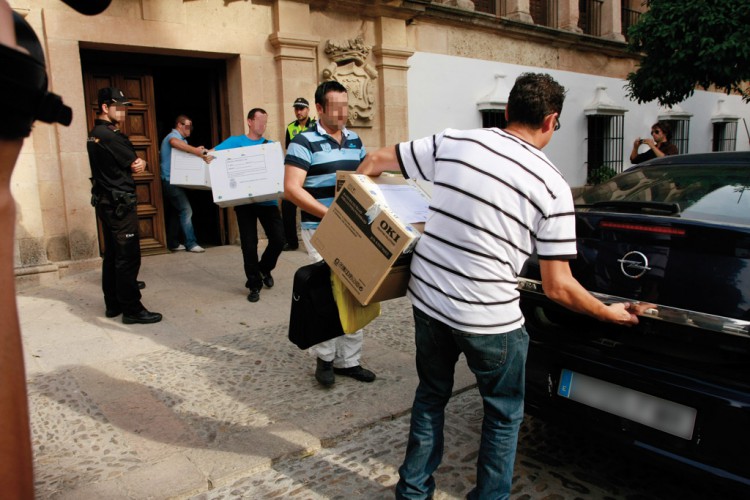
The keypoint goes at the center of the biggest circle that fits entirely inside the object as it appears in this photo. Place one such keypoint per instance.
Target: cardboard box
(247, 175)
(188, 171)
(366, 242)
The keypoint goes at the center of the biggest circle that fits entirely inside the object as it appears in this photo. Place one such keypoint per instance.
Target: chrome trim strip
(719, 324)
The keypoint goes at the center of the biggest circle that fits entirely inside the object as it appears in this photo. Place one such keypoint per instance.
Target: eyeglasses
(557, 124)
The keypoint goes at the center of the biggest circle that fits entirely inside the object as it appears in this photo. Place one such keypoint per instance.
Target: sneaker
(356, 372)
(254, 295)
(196, 249)
(288, 248)
(267, 279)
(178, 248)
(324, 373)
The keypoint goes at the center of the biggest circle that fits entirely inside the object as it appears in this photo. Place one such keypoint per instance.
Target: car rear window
(713, 193)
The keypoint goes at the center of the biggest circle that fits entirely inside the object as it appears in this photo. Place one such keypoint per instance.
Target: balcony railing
(590, 20)
(494, 7)
(544, 12)
(629, 17)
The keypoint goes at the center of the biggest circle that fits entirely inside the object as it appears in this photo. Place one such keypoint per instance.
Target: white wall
(444, 90)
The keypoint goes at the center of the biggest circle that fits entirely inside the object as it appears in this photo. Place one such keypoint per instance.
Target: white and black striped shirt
(496, 199)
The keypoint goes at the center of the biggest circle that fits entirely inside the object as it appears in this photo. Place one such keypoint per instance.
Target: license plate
(661, 414)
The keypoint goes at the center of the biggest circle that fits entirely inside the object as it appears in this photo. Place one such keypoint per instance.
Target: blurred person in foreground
(496, 200)
(24, 99)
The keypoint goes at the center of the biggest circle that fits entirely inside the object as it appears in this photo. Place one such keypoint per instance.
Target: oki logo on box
(389, 230)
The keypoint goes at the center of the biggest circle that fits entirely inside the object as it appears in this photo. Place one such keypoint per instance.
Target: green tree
(688, 44)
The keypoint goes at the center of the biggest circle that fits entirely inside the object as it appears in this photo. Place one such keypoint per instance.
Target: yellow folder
(354, 316)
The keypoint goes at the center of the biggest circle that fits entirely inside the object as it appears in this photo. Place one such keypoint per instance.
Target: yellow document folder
(354, 316)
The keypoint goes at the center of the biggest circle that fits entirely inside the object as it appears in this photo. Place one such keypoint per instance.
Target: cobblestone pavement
(215, 403)
(550, 465)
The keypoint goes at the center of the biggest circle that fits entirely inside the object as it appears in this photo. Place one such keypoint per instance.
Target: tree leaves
(688, 44)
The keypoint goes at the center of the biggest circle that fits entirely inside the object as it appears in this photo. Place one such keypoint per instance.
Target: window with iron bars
(590, 16)
(604, 144)
(724, 136)
(495, 7)
(493, 118)
(680, 134)
(544, 12)
(629, 15)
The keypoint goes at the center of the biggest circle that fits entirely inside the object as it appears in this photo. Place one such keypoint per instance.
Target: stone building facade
(216, 59)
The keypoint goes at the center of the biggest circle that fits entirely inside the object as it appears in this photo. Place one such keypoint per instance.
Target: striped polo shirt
(496, 199)
(316, 152)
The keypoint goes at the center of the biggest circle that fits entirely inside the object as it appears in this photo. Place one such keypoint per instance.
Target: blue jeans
(498, 362)
(181, 216)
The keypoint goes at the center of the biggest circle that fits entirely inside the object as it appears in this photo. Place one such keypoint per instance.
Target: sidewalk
(213, 394)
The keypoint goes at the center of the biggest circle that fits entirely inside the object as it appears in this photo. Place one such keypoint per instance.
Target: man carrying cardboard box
(497, 199)
(311, 162)
(257, 272)
(181, 213)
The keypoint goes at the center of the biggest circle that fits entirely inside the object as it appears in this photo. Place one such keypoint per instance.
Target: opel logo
(634, 264)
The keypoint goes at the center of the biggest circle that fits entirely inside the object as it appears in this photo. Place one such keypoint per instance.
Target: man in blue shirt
(182, 214)
(257, 272)
(311, 162)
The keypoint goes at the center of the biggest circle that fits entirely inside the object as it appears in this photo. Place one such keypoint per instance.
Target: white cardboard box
(247, 175)
(188, 171)
(366, 243)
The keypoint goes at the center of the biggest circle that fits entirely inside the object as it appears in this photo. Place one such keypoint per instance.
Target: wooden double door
(148, 121)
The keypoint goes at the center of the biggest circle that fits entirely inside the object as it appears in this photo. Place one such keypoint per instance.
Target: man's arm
(184, 146)
(294, 178)
(560, 285)
(380, 161)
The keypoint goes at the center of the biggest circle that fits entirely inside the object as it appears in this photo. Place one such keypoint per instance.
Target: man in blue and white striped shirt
(496, 200)
(312, 159)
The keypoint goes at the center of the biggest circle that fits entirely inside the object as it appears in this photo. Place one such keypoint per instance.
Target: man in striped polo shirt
(496, 200)
(312, 159)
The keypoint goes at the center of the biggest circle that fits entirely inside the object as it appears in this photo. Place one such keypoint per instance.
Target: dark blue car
(675, 233)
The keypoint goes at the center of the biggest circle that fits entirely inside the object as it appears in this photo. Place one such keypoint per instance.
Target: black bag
(314, 316)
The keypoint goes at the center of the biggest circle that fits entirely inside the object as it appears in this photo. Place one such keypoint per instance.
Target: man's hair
(252, 112)
(180, 120)
(323, 90)
(665, 127)
(534, 96)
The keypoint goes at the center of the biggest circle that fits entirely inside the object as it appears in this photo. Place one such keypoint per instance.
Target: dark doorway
(183, 85)
(186, 87)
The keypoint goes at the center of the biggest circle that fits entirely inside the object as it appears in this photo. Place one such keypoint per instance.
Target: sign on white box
(189, 171)
(247, 175)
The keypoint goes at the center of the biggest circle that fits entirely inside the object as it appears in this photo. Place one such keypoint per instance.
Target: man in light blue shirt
(257, 272)
(181, 215)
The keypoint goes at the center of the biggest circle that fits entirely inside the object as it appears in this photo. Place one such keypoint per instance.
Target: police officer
(113, 161)
(289, 209)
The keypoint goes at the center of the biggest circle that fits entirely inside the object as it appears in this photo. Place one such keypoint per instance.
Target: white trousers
(345, 350)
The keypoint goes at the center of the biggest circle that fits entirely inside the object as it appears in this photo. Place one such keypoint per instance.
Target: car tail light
(643, 228)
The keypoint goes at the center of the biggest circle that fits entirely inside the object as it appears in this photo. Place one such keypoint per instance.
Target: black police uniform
(113, 194)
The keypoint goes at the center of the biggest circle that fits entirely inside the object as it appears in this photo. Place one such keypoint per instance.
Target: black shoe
(267, 279)
(113, 312)
(288, 248)
(324, 373)
(143, 317)
(356, 372)
(253, 296)
(141, 285)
